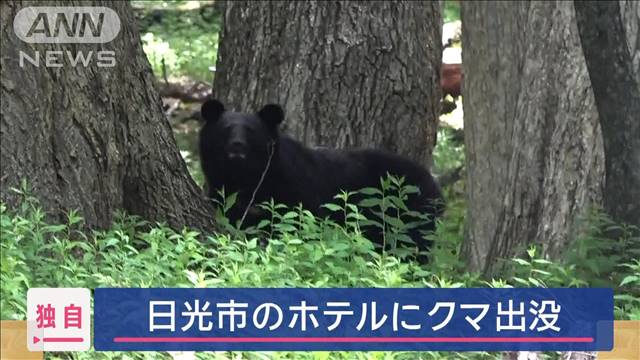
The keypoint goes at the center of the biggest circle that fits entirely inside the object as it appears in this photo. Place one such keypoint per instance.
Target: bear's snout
(237, 151)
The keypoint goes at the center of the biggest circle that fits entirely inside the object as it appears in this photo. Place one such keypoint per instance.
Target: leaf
(252, 244)
(536, 282)
(521, 281)
(230, 201)
(542, 261)
(290, 215)
(111, 242)
(405, 239)
(369, 202)
(397, 202)
(235, 256)
(629, 279)
(332, 207)
(401, 252)
(521, 262)
(263, 223)
(341, 247)
(395, 222)
(370, 191)
(627, 297)
(286, 228)
(54, 228)
(368, 222)
(546, 273)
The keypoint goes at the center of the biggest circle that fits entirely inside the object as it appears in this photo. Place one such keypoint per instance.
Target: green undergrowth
(302, 251)
(182, 34)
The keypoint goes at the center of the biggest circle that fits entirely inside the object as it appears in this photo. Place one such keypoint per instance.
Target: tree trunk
(630, 14)
(91, 138)
(613, 58)
(533, 143)
(348, 74)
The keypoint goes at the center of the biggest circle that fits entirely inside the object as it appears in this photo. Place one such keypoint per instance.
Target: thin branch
(255, 191)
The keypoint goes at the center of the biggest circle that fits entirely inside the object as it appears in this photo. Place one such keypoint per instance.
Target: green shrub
(302, 251)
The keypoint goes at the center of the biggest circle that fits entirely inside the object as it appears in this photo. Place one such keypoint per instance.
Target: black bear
(245, 153)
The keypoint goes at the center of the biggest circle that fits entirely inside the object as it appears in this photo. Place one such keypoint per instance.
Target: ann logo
(74, 28)
(66, 24)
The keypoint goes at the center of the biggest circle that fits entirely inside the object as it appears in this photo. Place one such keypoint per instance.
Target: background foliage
(183, 33)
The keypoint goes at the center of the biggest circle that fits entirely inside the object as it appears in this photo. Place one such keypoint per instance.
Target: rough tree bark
(91, 138)
(533, 143)
(630, 15)
(349, 74)
(613, 58)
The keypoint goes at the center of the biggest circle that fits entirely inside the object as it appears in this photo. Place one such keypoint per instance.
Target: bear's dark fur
(235, 150)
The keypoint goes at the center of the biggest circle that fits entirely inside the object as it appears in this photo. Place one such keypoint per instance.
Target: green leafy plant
(301, 250)
(628, 301)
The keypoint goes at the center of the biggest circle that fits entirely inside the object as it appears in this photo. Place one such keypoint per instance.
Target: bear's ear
(272, 114)
(211, 110)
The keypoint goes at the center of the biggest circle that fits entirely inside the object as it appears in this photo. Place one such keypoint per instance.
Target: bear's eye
(228, 129)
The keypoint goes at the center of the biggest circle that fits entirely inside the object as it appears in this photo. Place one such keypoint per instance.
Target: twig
(164, 72)
(255, 191)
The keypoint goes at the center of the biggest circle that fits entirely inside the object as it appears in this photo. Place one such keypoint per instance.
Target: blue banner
(251, 319)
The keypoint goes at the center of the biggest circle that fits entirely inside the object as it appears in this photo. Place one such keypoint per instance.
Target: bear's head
(241, 140)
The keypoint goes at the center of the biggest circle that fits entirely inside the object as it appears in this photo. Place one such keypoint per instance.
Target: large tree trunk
(630, 16)
(612, 52)
(91, 138)
(349, 74)
(533, 143)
